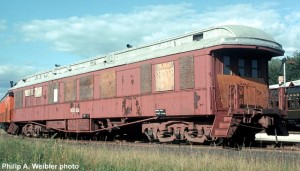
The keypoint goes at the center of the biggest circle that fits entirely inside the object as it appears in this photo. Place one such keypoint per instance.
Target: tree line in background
(292, 68)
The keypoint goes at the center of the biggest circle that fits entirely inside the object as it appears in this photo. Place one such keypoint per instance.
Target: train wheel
(165, 137)
(31, 130)
(149, 134)
(218, 142)
(193, 137)
(26, 130)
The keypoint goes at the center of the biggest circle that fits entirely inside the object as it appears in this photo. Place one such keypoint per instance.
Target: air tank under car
(209, 85)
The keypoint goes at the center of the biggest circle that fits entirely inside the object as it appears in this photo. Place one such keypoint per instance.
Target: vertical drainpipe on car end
(212, 82)
(207, 69)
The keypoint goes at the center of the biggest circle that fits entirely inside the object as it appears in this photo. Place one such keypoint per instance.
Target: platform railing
(241, 96)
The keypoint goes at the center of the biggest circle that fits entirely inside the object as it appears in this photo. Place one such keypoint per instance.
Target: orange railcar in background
(6, 109)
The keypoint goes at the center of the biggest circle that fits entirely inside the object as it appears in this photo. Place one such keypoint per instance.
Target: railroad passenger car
(291, 103)
(203, 86)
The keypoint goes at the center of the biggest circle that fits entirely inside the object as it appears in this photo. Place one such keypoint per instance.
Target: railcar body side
(116, 92)
(291, 102)
(199, 87)
(6, 110)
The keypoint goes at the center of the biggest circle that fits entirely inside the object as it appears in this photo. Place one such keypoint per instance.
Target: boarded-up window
(38, 92)
(28, 97)
(146, 78)
(86, 87)
(18, 96)
(186, 72)
(108, 84)
(128, 82)
(164, 76)
(28, 101)
(53, 93)
(70, 91)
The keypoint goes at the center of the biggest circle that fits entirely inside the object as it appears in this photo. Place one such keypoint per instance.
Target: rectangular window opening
(226, 65)
(242, 69)
(254, 68)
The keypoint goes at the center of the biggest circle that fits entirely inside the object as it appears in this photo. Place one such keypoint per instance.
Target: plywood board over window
(186, 72)
(128, 82)
(164, 74)
(86, 87)
(70, 92)
(108, 84)
(28, 97)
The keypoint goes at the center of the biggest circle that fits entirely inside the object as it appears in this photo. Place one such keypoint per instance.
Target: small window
(226, 65)
(198, 37)
(242, 67)
(55, 95)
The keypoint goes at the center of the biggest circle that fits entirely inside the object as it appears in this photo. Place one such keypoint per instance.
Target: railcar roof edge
(219, 35)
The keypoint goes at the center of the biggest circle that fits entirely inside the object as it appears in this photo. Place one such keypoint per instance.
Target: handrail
(234, 95)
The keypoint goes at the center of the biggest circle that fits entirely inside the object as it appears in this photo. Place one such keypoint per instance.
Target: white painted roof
(275, 86)
(287, 84)
(231, 34)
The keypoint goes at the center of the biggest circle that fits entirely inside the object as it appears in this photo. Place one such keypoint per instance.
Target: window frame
(243, 66)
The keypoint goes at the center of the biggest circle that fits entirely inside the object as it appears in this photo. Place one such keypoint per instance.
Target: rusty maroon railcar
(199, 87)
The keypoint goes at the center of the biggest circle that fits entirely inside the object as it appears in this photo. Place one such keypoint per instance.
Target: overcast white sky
(35, 35)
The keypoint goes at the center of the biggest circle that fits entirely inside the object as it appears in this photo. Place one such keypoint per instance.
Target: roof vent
(198, 37)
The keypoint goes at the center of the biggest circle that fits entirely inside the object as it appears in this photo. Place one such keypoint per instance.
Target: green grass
(114, 158)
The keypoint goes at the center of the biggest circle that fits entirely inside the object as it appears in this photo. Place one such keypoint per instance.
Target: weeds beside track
(101, 156)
